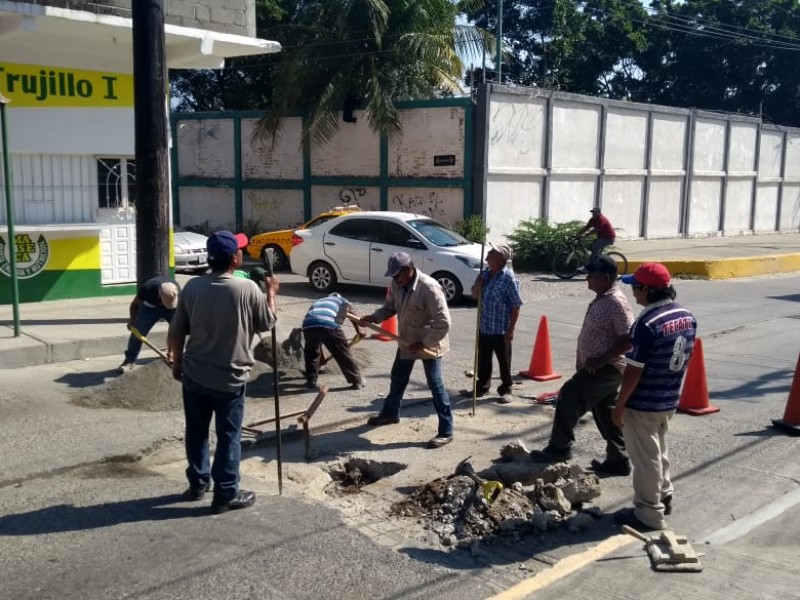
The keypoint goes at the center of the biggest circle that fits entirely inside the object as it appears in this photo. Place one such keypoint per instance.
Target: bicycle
(568, 262)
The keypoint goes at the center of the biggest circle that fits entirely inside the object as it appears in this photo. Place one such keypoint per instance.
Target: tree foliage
(732, 55)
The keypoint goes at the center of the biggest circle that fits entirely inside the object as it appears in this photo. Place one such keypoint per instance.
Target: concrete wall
(230, 176)
(227, 16)
(655, 171)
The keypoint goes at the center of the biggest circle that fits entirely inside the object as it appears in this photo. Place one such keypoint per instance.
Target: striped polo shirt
(328, 312)
(662, 338)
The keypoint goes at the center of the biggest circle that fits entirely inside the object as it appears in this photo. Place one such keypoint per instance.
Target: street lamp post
(12, 244)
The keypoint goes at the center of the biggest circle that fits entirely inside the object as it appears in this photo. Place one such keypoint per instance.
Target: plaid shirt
(500, 294)
(608, 317)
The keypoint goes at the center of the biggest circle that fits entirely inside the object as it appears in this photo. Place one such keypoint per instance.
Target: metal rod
(269, 265)
(12, 242)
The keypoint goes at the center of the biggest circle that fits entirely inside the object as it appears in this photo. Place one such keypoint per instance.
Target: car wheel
(451, 286)
(321, 276)
(279, 260)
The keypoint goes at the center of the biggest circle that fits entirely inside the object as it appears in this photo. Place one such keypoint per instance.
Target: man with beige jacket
(423, 323)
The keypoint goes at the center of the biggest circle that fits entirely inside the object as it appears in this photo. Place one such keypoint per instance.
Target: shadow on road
(66, 517)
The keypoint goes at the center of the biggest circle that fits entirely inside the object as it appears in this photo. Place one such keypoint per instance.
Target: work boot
(551, 455)
(193, 494)
(311, 385)
(611, 468)
(241, 500)
(380, 420)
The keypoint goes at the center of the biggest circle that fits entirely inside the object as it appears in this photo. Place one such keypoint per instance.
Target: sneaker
(125, 367)
(626, 516)
(667, 502)
(241, 500)
(550, 455)
(357, 385)
(611, 468)
(193, 494)
(379, 420)
(504, 390)
(439, 441)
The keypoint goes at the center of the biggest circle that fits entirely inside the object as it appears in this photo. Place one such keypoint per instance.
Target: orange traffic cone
(541, 366)
(694, 396)
(389, 325)
(790, 423)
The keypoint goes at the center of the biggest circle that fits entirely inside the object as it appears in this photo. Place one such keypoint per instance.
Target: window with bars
(116, 182)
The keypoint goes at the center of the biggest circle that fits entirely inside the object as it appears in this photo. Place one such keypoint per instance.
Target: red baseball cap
(654, 275)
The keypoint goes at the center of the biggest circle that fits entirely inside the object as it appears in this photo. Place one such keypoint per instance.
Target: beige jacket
(422, 314)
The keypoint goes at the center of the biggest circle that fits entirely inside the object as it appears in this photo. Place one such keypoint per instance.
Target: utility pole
(152, 152)
(499, 41)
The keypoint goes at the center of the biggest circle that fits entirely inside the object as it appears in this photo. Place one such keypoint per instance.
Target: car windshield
(436, 233)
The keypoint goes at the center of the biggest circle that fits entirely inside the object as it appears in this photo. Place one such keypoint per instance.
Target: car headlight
(179, 248)
(471, 262)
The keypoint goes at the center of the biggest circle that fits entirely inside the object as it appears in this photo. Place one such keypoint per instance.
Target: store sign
(31, 255)
(53, 87)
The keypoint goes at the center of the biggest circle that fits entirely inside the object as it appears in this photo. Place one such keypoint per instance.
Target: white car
(190, 250)
(355, 248)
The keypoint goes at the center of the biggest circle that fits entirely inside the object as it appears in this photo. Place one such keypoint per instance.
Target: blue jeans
(199, 404)
(145, 319)
(401, 373)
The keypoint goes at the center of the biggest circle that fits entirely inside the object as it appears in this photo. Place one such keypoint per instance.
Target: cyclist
(601, 226)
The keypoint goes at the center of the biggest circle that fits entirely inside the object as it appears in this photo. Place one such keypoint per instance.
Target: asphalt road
(73, 526)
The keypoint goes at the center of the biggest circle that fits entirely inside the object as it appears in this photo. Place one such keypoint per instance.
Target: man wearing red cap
(662, 337)
(219, 313)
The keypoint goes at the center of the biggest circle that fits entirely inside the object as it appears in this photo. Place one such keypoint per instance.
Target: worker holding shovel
(423, 324)
(322, 325)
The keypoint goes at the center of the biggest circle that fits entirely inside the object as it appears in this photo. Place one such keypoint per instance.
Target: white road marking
(746, 524)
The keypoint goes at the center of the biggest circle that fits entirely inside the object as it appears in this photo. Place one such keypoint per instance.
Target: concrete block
(184, 10)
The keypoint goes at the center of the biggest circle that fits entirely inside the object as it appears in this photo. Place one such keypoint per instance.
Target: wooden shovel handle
(638, 535)
(377, 328)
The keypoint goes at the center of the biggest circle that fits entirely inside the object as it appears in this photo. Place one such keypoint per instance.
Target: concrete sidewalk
(63, 330)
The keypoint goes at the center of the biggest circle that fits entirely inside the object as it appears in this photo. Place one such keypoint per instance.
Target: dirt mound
(147, 387)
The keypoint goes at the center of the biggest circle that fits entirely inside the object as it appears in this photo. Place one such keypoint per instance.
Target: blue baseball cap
(221, 245)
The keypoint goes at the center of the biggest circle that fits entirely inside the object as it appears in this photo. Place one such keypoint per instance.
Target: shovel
(139, 336)
(667, 551)
(491, 489)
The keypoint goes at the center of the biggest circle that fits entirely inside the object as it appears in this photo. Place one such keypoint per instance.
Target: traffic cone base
(786, 426)
(694, 396)
(790, 423)
(541, 365)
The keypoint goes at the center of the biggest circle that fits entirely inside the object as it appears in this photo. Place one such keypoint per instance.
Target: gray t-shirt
(220, 313)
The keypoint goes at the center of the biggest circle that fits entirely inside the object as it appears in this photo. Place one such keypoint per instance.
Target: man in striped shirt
(663, 337)
(322, 325)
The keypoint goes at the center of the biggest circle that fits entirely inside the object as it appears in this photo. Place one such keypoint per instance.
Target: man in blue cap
(219, 313)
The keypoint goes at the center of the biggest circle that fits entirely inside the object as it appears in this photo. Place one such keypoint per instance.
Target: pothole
(351, 476)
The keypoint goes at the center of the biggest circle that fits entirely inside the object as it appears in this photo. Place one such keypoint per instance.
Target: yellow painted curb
(728, 268)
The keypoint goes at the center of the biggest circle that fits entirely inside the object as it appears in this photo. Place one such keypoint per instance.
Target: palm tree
(370, 54)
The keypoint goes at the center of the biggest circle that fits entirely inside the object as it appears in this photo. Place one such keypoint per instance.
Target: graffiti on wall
(422, 204)
(350, 195)
(512, 124)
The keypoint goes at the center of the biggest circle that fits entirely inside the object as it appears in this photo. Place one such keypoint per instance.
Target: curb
(29, 350)
(728, 268)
